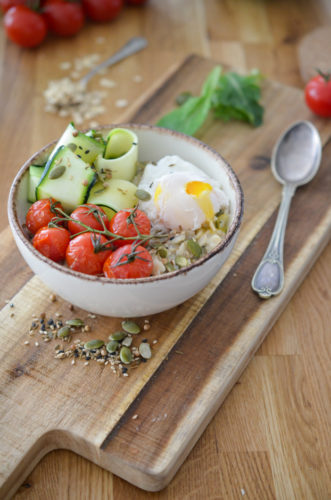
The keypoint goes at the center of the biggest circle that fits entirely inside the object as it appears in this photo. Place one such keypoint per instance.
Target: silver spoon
(131, 47)
(294, 162)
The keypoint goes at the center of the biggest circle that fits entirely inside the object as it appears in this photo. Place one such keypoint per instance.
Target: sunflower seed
(125, 355)
(56, 172)
(145, 350)
(130, 326)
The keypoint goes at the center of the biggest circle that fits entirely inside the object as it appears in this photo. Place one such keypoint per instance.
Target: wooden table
(270, 437)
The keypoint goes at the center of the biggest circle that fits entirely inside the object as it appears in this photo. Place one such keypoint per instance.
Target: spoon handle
(131, 47)
(268, 279)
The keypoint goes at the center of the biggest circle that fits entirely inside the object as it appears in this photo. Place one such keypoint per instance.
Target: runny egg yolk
(200, 191)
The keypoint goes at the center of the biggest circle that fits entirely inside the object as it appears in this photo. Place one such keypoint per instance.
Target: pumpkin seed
(56, 172)
(130, 326)
(127, 341)
(63, 332)
(75, 322)
(163, 252)
(181, 261)
(170, 267)
(194, 248)
(94, 344)
(72, 146)
(143, 195)
(112, 346)
(145, 350)
(117, 336)
(125, 355)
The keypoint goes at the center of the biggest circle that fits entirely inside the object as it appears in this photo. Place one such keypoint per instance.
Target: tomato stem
(325, 75)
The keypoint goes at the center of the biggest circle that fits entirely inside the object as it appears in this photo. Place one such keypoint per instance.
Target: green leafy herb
(228, 95)
(189, 117)
(238, 97)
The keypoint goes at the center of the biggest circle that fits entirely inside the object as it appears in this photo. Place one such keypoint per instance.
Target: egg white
(171, 205)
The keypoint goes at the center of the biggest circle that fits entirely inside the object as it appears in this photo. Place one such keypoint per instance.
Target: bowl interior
(154, 143)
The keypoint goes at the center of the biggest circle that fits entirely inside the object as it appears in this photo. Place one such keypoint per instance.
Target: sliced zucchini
(67, 179)
(85, 147)
(121, 155)
(35, 173)
(118, 194)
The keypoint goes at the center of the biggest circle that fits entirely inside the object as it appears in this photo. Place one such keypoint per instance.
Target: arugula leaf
(238, 97)
(189, 117)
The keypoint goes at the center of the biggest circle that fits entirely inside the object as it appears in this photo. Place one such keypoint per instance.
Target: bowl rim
(233, 229)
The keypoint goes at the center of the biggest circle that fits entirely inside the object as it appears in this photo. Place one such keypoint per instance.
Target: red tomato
(318, 94)
(86, 253)
(102, 10)
(24, 26)
(41, 213)
(52, 242)
(136, 2)
(63, 18)
(89, 215)
(122, 225)
(6, 4)
(130, 261)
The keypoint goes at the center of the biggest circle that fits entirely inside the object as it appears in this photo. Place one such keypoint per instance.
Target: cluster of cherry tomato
(91, 252)
(28, 21)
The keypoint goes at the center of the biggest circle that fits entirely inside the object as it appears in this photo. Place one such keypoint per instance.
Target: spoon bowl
(297, 154)
(294, 162)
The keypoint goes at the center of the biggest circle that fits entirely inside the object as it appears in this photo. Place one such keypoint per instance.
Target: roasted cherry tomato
(102, 10)
(87, 253)
(63, 18)
(88, 214)
(318, 94)
(7, 4)
(41, 213)
(52, 242)
(123, 224)
(24, 26)
(129, 261)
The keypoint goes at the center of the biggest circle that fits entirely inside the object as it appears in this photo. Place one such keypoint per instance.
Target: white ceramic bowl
(129, 298)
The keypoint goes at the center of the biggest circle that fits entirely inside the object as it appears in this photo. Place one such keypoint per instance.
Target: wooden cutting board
(142, 427)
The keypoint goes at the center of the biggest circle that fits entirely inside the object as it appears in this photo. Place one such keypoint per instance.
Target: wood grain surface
(269, 440)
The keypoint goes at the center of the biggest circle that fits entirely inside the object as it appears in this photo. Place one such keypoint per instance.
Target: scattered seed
(181, 261)
(135, 417)
(86, 363)
(130, 326)
(75, 322)
(143, 195)
(194, 248)
(145, 350)
(36, 344)
(147, 326)
(112, 346)
(125, 355)
(127, 341)
(63, 332)
(94, 344)
(155, 341)
(162, 252)
(57, 172)
(73, 362)
(117, 336)
(53, 297)
(26, 342)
